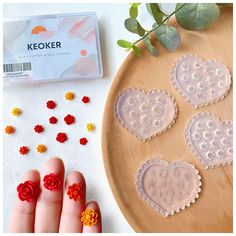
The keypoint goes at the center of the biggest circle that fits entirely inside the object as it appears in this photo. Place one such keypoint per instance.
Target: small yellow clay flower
(41, 148)
(89, 217)
(69, 96)
(90, 127)
(9, 129)
(16, 111)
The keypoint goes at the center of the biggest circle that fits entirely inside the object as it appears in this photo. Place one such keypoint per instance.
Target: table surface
(87, 159)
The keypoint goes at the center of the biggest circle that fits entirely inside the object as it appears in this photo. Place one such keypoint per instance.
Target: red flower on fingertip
(23, 150)
(28, 191)
(83, 141)
(52, 182)
(38, 128)
(75, 191)
(61, 137)
(85, 99)
(53, 120)
(69, 119)
(51, 104)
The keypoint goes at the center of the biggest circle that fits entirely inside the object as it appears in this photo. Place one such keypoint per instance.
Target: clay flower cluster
(61, 137)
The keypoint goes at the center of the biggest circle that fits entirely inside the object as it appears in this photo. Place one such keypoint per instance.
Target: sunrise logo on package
(51, 48)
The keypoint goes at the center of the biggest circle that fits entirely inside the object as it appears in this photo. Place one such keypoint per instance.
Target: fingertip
(32, 175)
(56, 164)
(75, 177)
(96, 228)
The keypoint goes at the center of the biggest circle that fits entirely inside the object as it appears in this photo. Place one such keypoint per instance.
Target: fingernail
(52, 182)
(28, 191)
(75, 191)
(89, 217)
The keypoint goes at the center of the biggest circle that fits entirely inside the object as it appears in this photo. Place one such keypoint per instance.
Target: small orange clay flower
(69, 96)
(41, 148)
(75, 191)
(89, 217)
(9, 129)
(16, 111)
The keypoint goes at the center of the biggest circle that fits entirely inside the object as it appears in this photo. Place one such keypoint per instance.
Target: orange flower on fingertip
(89, 217)
(75, 191)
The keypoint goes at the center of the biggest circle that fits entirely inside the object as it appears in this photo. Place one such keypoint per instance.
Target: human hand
(53, 211)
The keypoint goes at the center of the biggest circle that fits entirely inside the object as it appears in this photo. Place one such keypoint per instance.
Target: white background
(87, 159)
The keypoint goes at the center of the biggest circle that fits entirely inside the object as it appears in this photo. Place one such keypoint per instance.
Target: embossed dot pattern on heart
(200, 82)
(168, 187)
(210, 139)
(146, 114)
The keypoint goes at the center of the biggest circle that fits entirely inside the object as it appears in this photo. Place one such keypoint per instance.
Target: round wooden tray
(123, 153)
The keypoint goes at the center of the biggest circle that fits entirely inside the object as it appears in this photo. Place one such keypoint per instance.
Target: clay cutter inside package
(51, 48)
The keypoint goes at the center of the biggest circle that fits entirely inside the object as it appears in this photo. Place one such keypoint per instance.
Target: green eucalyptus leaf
(168, 36)
(151, 49)
(133, 11)
(158, 7)
(155, 11)
(133, 26)
(197, 16)
(137, 50)
(124, 43)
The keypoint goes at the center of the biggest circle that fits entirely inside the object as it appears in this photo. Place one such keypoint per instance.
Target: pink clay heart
(168, 188)
(200, 82)
(210, 139)
(146, 114)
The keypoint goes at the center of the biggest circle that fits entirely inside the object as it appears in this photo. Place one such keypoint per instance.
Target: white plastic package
(50, 48)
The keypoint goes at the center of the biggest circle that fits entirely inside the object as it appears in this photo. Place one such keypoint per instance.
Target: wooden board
(123, 153)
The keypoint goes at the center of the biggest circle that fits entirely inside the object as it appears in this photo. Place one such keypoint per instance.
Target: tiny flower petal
(83, 141)
(69, 119)
(52, 182)
(85, 99)
(90, 127)
(28, 191)
(16, 111)
(75, 191)
(23, 150)
(51, 104)
(41, 148)
(61, 137)
(38, 128)
(53, 120)
(89, 217)
(69, 96)
(9, 129)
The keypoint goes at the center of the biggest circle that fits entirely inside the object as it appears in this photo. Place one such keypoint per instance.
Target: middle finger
(49, 204)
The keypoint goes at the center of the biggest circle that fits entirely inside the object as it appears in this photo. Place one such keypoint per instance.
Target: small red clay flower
(85, 99)
(61, 137)
(69, 119)
(28, 191)
(38, 129)
(83, 141)
(51, 104)
(23, 150)
(51, 182)
(75, 191)
(53, 120)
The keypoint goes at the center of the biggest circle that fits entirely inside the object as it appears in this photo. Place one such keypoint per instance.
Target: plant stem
(159, 25)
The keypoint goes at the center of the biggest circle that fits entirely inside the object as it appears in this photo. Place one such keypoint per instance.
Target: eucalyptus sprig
(191, 16)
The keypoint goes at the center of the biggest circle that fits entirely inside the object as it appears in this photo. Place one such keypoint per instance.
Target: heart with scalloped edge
(200, 82)
(210, 139)
(146, 113)
(168, 187)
